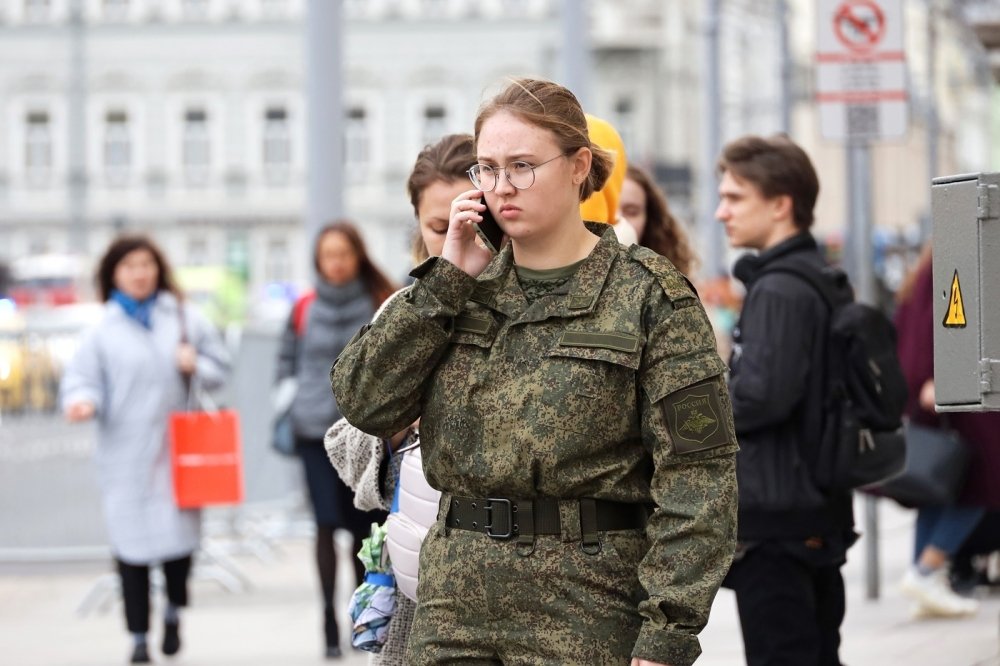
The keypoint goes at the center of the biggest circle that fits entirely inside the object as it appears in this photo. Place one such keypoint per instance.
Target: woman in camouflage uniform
(574, 415)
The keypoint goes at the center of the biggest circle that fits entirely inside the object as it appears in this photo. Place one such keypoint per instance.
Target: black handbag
(936, 464)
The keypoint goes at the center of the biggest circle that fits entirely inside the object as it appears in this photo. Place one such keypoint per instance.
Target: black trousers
(135, 589)
(790, 604)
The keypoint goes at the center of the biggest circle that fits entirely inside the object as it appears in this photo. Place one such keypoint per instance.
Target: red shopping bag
(206, 458)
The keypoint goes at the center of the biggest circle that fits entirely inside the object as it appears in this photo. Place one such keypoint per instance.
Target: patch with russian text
(694, 418)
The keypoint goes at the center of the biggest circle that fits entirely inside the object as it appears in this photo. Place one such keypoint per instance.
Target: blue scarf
(138, 310)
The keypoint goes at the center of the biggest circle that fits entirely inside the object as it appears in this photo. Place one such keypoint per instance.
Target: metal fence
(49, 499)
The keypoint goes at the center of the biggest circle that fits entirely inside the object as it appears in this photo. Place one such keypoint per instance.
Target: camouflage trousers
(483, 601)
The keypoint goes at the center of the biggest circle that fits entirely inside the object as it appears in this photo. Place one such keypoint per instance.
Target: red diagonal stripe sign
(859, 24)
(861, 83)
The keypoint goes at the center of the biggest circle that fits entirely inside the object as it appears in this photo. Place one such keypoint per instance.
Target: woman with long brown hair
(348, 290)
(644, 206)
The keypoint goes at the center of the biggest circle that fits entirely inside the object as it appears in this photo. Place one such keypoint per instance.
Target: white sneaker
(935, 596)
(993, 567)
(920, 612)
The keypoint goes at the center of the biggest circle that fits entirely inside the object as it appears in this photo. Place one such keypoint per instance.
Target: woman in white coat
(129, 374)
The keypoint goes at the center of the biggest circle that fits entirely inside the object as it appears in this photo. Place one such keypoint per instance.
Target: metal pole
(711, 230)
(76, 125)
(859, 252)
(576, 49)
(859, 255)
(784, 45)
(933, 127)
(325, 122)
(873, 581)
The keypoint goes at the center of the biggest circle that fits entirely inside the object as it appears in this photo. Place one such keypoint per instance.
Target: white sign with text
(861, 70)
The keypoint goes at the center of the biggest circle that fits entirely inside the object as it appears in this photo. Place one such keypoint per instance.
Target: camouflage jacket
(610, 388)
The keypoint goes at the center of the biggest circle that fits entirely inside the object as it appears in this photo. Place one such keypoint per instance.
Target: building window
(39, 244)
(114, 10)
(38, 148)
(117, 147)
(435, 8)
(194, 9)
(238, 254)
(274, 8)
(277, 263)
(356, 145)
(196, 149)
(434, 125)
(356, 8)
(37, 11)
(515, 7)
(197, 251)
(277, 145)
(624, 122)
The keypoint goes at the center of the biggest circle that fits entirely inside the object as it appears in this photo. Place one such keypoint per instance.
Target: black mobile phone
(489, 230)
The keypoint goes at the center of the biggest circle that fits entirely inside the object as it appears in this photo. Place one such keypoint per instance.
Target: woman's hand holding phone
(460, 244)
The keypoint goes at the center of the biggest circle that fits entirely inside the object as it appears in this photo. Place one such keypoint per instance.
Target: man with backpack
(793, 532)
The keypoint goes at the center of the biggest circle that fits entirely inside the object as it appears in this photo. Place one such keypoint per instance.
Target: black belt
(502, 518)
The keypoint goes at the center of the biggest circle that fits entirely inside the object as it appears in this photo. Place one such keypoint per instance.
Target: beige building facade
(193, 112)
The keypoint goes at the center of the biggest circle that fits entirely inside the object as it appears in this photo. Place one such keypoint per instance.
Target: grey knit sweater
(337, 313)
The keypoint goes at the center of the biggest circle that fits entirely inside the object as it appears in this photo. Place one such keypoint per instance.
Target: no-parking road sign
(860, 26)
(861, 69)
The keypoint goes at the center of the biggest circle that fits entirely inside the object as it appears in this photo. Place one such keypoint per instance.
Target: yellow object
(602, 206)
(12, 395)
(955, 316)
(217, 290)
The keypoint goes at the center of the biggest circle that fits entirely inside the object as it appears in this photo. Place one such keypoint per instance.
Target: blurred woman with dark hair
(370, 465)
(644, 206)
(130, 372)
(941, 531)
(349, 288)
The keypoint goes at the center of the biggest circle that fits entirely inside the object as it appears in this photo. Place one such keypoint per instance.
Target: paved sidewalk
(879, 632)
(277, 623)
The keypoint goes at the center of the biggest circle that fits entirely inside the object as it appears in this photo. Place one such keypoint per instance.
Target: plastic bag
(374, 602)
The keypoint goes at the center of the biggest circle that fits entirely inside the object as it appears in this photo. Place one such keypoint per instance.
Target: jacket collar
(748, 267)
(498, 287)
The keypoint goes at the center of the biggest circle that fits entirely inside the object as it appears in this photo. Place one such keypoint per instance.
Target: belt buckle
(488, 507)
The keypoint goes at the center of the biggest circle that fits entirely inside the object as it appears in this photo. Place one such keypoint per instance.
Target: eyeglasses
(520, 174)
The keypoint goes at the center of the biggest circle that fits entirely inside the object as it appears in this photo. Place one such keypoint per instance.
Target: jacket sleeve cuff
(83, 395)
(441, 282)
(664, 646)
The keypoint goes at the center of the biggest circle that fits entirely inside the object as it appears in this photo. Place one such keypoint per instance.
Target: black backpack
(865, 394)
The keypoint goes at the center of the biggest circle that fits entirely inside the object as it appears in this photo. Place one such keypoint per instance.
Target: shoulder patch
(675, 284)
(695, 419)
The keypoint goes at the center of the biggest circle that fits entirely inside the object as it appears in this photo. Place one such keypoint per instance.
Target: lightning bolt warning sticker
(954, 317)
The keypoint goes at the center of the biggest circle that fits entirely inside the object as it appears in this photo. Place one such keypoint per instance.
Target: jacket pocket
(474, 328)
(589, 383)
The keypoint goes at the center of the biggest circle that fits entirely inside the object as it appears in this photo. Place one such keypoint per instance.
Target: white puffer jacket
(358, 457)
(407, 526)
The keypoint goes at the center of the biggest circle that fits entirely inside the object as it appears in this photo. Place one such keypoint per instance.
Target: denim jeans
(944, 527)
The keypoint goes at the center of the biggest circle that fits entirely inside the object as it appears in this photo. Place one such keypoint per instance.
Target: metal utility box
(966, 236)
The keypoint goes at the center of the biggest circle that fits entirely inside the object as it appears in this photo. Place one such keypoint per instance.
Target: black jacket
(777, 388)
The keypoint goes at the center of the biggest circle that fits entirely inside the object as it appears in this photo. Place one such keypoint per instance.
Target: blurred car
(35, 345)
(48, 280)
